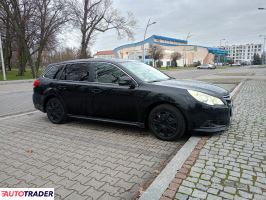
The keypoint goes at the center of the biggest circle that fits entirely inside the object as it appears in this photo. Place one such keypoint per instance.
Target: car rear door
(110, 100)
(74, 88)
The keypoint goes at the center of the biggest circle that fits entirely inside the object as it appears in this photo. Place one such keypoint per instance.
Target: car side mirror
(126, 81)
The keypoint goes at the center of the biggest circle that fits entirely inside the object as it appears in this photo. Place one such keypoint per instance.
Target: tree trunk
(39, 59)
(7, 46)
(7, 53)
(83, 51)
(22, 58)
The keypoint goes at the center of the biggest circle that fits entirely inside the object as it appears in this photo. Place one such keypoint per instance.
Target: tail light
(36, 83)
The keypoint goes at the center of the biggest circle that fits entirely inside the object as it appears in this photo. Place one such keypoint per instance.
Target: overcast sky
(238, 21)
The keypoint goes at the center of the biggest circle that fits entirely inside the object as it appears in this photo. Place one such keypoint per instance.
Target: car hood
(194, 85)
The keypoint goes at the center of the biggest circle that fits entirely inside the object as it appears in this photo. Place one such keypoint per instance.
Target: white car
(236, 64)
(206, 66)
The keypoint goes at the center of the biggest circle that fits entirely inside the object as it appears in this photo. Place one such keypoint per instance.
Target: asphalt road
(17, 98)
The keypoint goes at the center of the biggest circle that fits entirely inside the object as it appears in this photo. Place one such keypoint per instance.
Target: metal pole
(263, 52)
(148, 24)
(185, 54)
(221, 47)
(143, 59)
(2, 59)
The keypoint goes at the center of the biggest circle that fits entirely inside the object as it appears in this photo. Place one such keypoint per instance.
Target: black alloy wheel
(55, 111)
(167, 122)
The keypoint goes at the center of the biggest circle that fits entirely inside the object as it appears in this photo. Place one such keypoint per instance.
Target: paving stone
(63, 192)
(212, 191)
(185, 190)
(180, 196)
(199, 194)
(106, 196)
(201, 187)
(255, 190)
(206, 183)
(245, 194)
(75, 196)
(79, 188)
(188, 184)
(114, 191)
(230, 190)
(205, 177)
(259, 197)
(226, 195)
(93, 193)
(95, 183)
(213, 197)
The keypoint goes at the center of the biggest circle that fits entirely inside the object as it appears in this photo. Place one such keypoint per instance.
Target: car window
(144, 72)
(52, 72)
(76, 72)
(58, 73)
(107, 73)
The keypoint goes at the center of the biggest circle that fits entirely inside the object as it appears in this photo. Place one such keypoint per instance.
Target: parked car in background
(236, 64)
(206, 66)
(131, 93)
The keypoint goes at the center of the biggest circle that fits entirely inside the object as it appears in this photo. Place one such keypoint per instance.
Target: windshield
(145, 72)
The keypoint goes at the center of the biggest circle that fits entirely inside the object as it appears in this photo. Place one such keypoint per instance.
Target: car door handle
(96, 91)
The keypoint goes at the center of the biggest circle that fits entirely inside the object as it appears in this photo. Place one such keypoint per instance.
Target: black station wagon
(133, 93)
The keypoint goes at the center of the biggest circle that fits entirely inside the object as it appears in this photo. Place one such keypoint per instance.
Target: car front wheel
(167, 122)
(55, 111)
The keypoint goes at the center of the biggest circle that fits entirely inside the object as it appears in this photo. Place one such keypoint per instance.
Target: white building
(189, 53)
(244, 53)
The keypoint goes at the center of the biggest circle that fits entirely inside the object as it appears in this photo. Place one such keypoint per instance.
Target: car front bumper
(211, 118)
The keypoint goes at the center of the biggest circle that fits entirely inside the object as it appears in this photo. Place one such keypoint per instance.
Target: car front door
(74, 87)
(111, 100)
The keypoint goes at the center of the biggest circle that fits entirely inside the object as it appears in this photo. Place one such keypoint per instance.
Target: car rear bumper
(38, 102)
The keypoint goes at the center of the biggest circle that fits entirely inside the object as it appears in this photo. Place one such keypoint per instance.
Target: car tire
(167, 122)
(56, 111)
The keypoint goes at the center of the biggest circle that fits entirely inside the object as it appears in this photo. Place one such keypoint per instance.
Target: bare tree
(94, 16)
(175, 56)
(51, 16)
(6, 32)
(156, 52)
(20, 14)
(60, 55)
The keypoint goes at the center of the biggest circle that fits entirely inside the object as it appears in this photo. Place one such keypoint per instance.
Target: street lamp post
(185, 51)
(148, 25)
(2, 59)
(263, 53)
(221, 47)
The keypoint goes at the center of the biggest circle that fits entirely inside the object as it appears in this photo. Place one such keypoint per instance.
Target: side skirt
(138, 124)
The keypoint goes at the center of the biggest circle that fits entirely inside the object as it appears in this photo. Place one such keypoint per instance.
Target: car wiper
(154, 81)
(159, 80)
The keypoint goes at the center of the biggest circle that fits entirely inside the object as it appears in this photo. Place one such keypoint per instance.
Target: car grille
(227, 98)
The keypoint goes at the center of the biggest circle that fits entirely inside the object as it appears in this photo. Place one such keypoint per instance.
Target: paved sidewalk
(80, 159)
(231, 165)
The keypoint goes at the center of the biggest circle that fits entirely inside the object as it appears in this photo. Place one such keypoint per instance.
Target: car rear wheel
(167, 122)
(55, 111)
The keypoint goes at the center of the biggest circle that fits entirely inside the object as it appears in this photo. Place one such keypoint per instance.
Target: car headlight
(205, 98)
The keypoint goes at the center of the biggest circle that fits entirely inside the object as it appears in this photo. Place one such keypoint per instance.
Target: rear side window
(76, 72)
(53, 71)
